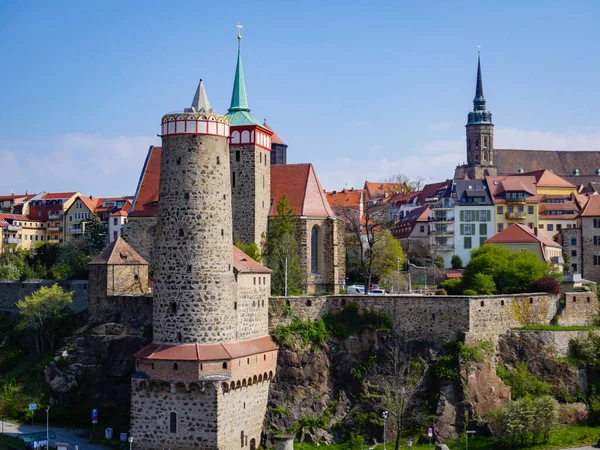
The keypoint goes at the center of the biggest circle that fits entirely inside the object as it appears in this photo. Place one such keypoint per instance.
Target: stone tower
(250, 148)
(480, 137)
(203, 383)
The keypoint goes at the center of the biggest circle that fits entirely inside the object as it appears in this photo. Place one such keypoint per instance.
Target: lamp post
(385, 415)
(467, 438)
(130, 439)
(398, 261)
(48, 426)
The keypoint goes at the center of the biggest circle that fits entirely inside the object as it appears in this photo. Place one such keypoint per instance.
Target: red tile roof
(545, 178)
(275, 139)
(592, 209)
(207, 352)
(119, 252)
(7, 219)
(145, 202)
(518, 233)
(243, 263)
(497, 185)
(58, 195)
(301, 186)
(89, 203)
(346, 198)
(381, 189)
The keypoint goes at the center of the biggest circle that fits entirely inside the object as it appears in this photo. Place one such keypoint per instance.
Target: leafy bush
(314, 332)
(546, 284)
(456, 262)
(351, 321)
(452, 286)
(484, 284)
(474, 351)
(522, 382)
(470, 292)
(438, 261)
(441, 292)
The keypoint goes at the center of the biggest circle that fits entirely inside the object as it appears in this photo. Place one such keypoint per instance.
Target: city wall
(11, 291)
(435, 318)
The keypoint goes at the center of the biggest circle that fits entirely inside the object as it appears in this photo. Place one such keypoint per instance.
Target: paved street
(63, 435)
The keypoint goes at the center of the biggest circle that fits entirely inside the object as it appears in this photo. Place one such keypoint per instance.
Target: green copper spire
(239, 101)
(239, 112)
(479, 114)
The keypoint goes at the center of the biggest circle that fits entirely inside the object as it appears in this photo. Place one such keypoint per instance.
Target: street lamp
(48, 426)
(467, 438)
(385, 415)
(130, 439)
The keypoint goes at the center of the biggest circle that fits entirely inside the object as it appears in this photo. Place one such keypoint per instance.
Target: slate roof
(430, 190)
(563, 163)
(207, 352)
(300, 184)
(472, 188)
(405, 227)
(518, 233)
(118, 252)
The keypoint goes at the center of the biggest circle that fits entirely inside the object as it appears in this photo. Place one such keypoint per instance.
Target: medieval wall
(252, 303)
(196, 415)
(578, 308)
(12, 291)
(140, 233)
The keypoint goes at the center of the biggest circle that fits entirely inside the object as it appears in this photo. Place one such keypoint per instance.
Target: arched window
(225, 365)
(175, 366)
(314, 249)
(173, 422)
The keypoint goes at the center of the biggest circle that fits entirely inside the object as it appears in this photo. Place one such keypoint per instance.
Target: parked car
(377, 292)
(356, 289)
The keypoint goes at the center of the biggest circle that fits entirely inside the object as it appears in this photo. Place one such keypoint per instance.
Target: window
(509, 209)
(233, 179)
(483, 229)
(541, 226)
(467, 242)
(422, 228)
(573, 268)
(482, 240)
(530, 210)
(573, 252)
(237, 155)
(115, 235)
(175, 366)
(550, 227)
(467, 229)
(115, 220)
(225, 365)
(500, 227)
(558, 227)
(186, 196)
(596, 240)
(574, 241)
(597, 260)
(173, 422)
(520, 209)
(314, 249)
(596, 223)
(70, 218)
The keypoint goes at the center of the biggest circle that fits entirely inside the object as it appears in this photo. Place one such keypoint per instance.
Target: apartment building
(515, 200)
(77, 216)
(48, 208)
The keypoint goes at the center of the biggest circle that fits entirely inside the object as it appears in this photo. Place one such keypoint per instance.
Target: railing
(441, 219)
(440, 205)
(442, 247)
(13, 240)
(516, 201)
(55, 215)
(516, 215)
(442, 232)
(55, 228)
(75, 230)
(14, 228)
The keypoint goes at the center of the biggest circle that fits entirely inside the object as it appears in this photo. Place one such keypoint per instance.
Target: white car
(355, 289)
(377, 292)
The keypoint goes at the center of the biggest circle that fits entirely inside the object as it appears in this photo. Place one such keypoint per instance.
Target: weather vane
(239, 27)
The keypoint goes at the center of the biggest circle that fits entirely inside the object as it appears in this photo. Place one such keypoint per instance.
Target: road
(63, 435)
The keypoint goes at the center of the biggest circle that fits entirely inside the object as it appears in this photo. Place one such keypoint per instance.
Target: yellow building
(515, 200)
(77, 215)
(49, 208)
(557, 208)
(28, 232)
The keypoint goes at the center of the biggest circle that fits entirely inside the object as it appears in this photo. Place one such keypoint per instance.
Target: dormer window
(521, 170)
(576, 172)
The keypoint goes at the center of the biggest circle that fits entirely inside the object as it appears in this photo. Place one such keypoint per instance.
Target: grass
(577, 362)
(563, 437)
(556, 328)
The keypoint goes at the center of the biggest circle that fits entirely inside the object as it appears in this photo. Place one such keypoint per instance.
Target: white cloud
(576, 139)
(93, 164)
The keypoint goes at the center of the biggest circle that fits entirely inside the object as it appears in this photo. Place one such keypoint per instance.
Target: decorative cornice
(194, 123)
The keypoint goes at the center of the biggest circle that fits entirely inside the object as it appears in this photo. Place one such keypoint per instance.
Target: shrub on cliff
(351, 321)
(546, 284)
(522, 382)
(453, 286)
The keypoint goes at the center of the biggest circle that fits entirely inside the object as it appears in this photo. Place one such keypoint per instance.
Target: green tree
(456, 262)
(282, 253)
(71, 263)
(41, 311)
(453, 286)
(484, 284)
(9, 271)
(251, 250)
(388, 251)
(94, 236)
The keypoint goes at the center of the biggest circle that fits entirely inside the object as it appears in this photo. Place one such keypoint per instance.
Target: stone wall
(589, 271)
(434, 318)
(250, 192)
(122, 308)
(555, 342)
(140, 233)
(11, 291)
(571, 244)
(252, 305)
(196, 415)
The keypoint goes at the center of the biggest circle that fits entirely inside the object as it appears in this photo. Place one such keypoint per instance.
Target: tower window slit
(189, 268)
(181, 232)
(237, 155)
(179, 160)
(186, 196)
(233, 179)
(222, 232)
(218, 160)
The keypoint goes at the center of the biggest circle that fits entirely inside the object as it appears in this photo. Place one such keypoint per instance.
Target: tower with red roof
(250, 159)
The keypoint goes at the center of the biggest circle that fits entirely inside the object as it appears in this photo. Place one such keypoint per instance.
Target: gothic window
(173, 422)
(485, 141)
(314, 249)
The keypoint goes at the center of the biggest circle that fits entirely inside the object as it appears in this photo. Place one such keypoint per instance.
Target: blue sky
(363, 90)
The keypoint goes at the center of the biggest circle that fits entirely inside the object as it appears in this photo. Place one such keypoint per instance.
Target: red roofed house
(8, 203)
(519, 237)
(11, 232)
(77, 216)
(582, 244)
(413, 232)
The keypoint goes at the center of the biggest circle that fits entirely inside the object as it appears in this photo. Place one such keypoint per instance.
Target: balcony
(441, 206)
(13, 240)
(55, 215)
(442, 232)
(55, 228)
(516, 215)
(75, 230)
(54, 241)
(442, 247)
(516, 201)
(14, 228)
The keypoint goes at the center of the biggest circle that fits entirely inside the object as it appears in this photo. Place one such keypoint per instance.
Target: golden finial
(239, 27)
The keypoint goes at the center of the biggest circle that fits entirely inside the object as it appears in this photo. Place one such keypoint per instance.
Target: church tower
(203, 382)
(250, 159)
(480, 137)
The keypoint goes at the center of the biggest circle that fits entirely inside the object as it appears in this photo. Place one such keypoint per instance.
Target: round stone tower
(193, 280)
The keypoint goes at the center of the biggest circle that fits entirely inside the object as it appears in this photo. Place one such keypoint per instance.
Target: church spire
(239, 102)
(200, 102)
(479, 100)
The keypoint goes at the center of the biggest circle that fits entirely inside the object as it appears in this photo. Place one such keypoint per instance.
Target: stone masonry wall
(127, 279)
(140, 233)
(193, 278)
(555, 342)
(12, 291)
(571, 244)
(579, 308)
(590, 271)
(241, 415)
(250, 192)
(197, 413)
(253, 291)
